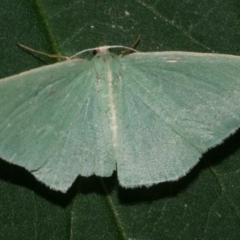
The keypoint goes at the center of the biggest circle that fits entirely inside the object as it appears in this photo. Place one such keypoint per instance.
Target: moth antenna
(42, 53)
(102, 49)
(132, 46)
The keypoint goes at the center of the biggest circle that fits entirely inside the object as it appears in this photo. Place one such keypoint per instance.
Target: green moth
(150, 116)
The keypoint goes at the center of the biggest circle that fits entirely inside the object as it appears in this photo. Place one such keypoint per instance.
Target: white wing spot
(172, 61)
(12, 158)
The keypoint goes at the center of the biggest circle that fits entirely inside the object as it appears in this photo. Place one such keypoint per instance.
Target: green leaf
(203, 205)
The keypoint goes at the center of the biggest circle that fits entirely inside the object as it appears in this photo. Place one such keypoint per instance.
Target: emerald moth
(149, 116)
